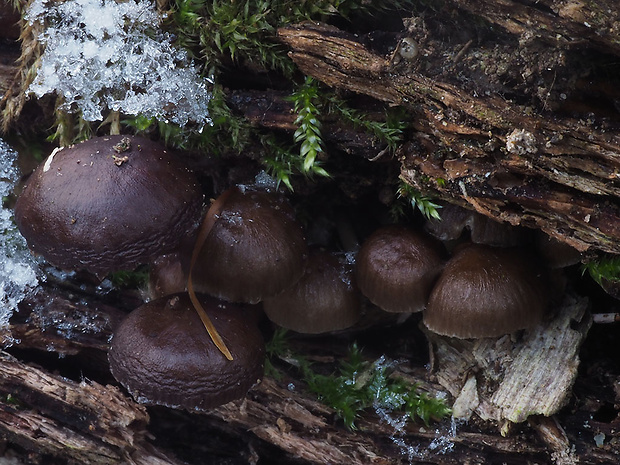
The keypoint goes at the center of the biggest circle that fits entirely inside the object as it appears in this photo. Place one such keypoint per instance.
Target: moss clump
(359, 385)
(606, 268)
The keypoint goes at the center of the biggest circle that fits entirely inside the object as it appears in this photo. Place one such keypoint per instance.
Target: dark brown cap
(396, 268)
(556, 254)
(166, 276)
(324, 299)
(482, 229)
(109, 203)
(162, 354)
(486, 292)
(255, 248)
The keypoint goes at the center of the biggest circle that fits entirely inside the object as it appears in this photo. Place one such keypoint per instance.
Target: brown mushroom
(482, 229)
(396, 268)
(254, 248)
(486, 292)
(556, 254)
(324, 299)
(109, 203)
(166, 276)
(163, 356)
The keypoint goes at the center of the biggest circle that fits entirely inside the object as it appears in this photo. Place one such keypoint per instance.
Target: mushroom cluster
(115, 202)
(482, 290)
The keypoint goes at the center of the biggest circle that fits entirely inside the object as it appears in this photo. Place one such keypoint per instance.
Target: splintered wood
(83, 422)
(510, 380)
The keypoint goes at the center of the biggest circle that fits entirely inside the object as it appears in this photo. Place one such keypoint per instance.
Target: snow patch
(17, 266)
(100, 54)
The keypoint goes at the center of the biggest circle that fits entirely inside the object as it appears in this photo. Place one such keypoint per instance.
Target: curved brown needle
(205, 229)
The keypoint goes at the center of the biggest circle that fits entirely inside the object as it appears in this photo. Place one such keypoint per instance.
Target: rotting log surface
(478, 149)
(503, 158)
(91, 420)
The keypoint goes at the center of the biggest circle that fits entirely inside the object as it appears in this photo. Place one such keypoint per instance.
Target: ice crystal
(100, 54)
(17, 267)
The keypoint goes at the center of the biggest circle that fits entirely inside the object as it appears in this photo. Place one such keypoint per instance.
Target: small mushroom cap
(396, 268)
(166, 276)
(482, 229)
(255, 249)
(163, 355)
(556, 254)
(324, 299)
(108, 203)
(486, 292)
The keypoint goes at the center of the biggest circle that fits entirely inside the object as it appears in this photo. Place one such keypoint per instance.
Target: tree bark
(554, 173)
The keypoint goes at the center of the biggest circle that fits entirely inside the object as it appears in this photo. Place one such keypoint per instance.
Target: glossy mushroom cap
(396, 268)
(486, 292)
(162, 354)
(255, 248)
(108, 203)
(323, 300)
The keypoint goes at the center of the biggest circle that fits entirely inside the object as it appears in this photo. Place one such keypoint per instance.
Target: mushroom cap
(324, 299)
(163, 355)
(396, 268)
(556, 254)
(108, 203)
(166, 276)
(255, 249)
(483, 230)
(486, 292)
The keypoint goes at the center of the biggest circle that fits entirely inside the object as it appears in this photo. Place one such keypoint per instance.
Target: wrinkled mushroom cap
(163, 355)
(255, 249)
(396, 268)
(486, 292)
(108, 203)
(324, 299)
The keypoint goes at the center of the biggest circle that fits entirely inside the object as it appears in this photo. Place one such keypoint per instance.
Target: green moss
(244, 31)
(312, 102)
(360, 385)
(605, 268)
(417, 201)
(137, 279)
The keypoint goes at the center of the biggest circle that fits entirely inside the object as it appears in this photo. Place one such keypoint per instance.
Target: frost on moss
(101, 55)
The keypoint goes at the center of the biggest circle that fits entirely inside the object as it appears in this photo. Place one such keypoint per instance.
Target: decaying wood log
(86, 423)
(508, 381)
(559, 23)
(484, 148)
(554, 173)
(45, 413)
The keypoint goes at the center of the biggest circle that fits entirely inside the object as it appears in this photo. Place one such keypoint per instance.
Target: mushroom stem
(205, 228)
